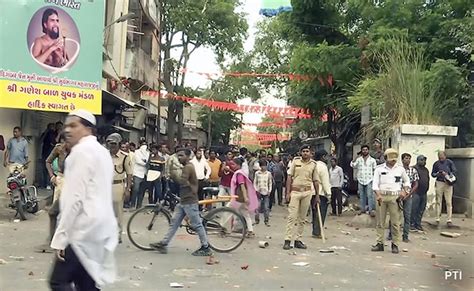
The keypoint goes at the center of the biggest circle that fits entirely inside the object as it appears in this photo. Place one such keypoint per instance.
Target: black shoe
(389, 237)
(378, 247)
(419, 228)
(160, 247)
(395, 249)
(300, 245)
(203, 252)
(406, 240)
(257, 221)
(267, 224)
(120, 240)
(286, 245)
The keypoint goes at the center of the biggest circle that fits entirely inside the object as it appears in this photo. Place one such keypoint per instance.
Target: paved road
(353, 268)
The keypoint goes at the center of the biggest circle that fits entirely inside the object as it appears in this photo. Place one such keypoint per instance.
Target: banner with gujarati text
(51, 55)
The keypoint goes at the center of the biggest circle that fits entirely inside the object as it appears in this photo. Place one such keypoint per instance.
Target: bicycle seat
(211, 189)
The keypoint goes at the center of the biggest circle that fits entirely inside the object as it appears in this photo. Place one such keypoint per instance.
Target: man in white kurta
(86, 236)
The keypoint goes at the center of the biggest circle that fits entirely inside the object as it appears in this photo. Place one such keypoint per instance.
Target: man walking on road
(336, 176)
(444, 170)
(391, 185)
(420, 196)
(122, 178)
(302, 176)
(365, 166)
(187, 207)
(324, 193)
(86, 236)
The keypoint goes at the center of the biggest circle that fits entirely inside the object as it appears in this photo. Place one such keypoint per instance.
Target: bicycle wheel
(226, 229)
(147, 225)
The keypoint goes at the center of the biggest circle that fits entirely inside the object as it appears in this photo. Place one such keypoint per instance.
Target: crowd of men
(85, 227)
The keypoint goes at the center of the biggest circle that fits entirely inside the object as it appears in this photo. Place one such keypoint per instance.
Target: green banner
(51, 54)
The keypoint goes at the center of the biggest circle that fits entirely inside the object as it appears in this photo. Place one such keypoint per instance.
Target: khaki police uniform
(389, 182)
(122, 168)
(303, 175)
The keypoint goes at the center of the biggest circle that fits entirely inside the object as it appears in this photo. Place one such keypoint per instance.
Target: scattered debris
(212, 261)
(317, 274)
(16, 220)
(31, 273)
(357, 228)
(244, 267)
(263, 244)
(275, 267)
(292, 253)
(433, 256)
(464, 252)
(345, 232)
(301, 264)
(326, 251)
(176, 285)
(141, 268)
(17, 258)
(441, 266)
(405, 250)
(268, 237)
(339, 248)
(267, 270)
(450, 234)
(236, 286)
(3, 262)
(378, 257)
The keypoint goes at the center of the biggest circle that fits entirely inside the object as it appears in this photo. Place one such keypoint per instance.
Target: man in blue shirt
(16, 154)
(443, 170)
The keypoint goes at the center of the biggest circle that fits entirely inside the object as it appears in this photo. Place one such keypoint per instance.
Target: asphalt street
(352, 266)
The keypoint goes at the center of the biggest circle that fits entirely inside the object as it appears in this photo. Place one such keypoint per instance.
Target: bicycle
(225, 227)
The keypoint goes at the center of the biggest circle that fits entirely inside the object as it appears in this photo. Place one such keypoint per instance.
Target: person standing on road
(226, 174)
(336, 176)
(365, 166)
(407, 202)
(241, 186)
(141, 157)
(420, 196)
(263, 185)
(391, 185)
(324, 193)
(122, 178)
(302, 177)
(203, 172)
(86, 236)
(378, 152)
(443, 170)
(188, 206)
(173, 168)
(215, 165)
(16, 154)
(279, 178)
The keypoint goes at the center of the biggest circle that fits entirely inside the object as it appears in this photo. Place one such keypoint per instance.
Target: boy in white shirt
(263, 186)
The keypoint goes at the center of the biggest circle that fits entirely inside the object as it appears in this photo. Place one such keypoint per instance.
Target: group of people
(90, 225)
(401, 190)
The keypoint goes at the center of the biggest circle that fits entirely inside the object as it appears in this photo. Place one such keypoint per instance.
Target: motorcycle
(22, 198)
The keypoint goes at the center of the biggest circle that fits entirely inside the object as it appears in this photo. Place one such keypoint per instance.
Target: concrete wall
(463, 200)
(422, 140)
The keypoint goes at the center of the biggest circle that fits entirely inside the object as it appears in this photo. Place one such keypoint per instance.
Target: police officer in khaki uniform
(391, 185)
(122, 177)
(302, 179)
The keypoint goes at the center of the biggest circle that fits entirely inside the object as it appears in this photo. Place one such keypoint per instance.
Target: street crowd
(93, 184)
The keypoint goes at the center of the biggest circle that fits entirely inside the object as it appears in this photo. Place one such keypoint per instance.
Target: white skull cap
(84, 114)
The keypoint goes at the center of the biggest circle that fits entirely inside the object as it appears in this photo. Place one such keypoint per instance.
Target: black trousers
(70, 272)
(279, 190)
(336, 197)
(324, 209)
(201, 184)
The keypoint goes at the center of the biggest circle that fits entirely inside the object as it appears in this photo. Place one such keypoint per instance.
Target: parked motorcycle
(22, 198)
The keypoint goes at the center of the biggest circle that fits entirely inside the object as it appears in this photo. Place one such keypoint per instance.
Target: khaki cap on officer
(391, 154)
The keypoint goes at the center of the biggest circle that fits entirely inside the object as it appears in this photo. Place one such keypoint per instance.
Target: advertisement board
(51, 54)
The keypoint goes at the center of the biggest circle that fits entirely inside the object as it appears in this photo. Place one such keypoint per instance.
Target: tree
(187, 25)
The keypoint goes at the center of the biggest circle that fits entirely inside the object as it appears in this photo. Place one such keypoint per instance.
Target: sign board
(51, 54)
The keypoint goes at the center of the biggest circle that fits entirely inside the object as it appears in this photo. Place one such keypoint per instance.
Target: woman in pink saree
(246, 201)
